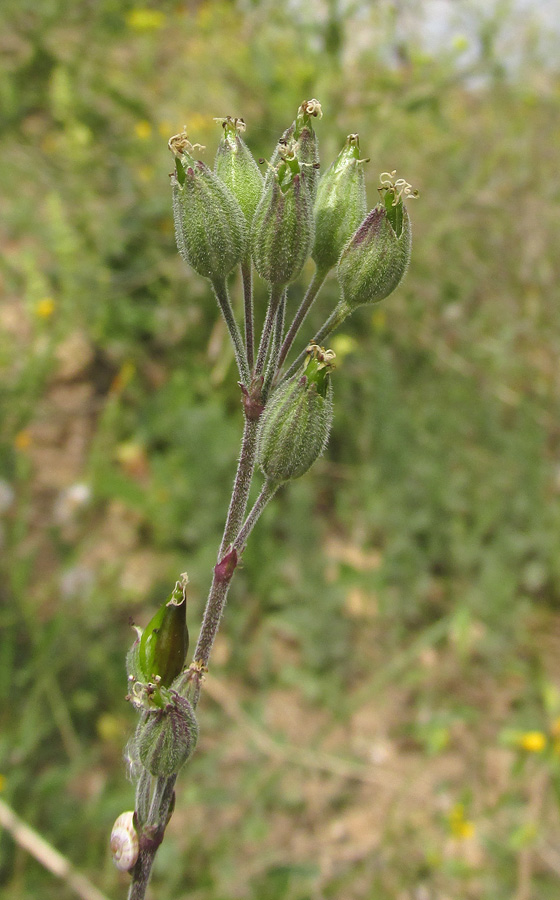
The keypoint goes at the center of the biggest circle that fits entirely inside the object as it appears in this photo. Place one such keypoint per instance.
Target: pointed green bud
(209, 225)
(340, 205)
(165, 738)
(282, 228)
(302, 137)
(158, 655)
(375, 259)
(294, 427)
(237, 168)
(307, 145)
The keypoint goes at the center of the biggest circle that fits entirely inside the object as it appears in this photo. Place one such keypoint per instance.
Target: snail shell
(124, 842)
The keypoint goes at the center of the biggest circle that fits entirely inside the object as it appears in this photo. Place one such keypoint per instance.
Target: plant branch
(247, 278)
(276, 292)
(310, 295)
(46, 855)
(241, 486)
(222, 296)
(151, 834)
(267, 493)
(336, 318)
(273, 364)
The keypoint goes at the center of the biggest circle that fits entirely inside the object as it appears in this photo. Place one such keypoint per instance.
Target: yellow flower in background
(343, 344)
(460, 827)
(22, 439)
(532, 741)
(143, 130)
(145, 19)
(45, 308)
(2, 782)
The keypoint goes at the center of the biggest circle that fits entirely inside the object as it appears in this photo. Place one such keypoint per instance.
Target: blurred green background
(383, 716)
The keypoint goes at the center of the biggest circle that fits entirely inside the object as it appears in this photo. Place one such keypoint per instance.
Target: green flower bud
(375, 259)
(294, 427)
(158, 655)
(307, 145)
(282, 229)
(165, 738)
(237, 168)
(302, 137)
(340, 205)
(209, 225)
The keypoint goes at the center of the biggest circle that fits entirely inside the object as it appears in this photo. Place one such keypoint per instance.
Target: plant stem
(312, 291)
(247, 278)
(222, 296)
(241, 485)
(152, 831)
(273, 363)
(151, 835)
(276, 292)
(211, 621)
(267, 493)
(223, 573)
(336, 318)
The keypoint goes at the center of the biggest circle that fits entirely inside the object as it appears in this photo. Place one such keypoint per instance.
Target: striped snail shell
(124, 842)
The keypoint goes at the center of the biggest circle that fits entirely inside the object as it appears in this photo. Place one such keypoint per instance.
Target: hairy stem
(241, 485)
(273, 364)
(156, 810)
(312, 291)
(212, 618)
(267, 493)
(247, 278)
(276, 292)
(222, 296)
(336, 318)
(151, 835)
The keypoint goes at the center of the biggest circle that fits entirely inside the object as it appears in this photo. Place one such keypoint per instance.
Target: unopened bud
(307, 145)
(294, 428)
(340, 205)
(282, 229)
(302, 137)
(375, 259)
(237, 168)
(209, 225)
(165, 738)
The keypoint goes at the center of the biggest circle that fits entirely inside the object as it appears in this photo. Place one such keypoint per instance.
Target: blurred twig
(526, 858)
(46, 855)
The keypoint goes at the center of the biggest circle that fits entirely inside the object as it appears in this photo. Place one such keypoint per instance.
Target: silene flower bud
(295, 425)
(237, 168)
(375, 259)
(307, 145)
(282, 229)
(340, 205)
(209, 225)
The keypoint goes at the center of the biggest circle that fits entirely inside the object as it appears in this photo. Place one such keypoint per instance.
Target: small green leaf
(394, 212)
(180, 171)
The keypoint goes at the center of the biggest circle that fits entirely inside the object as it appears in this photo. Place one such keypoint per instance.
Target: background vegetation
(383, 714)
